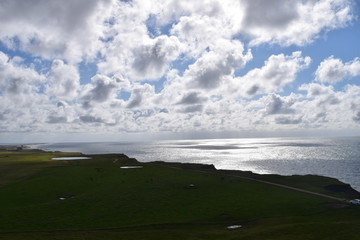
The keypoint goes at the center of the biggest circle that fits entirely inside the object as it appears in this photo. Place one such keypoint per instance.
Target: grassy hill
(42, 198)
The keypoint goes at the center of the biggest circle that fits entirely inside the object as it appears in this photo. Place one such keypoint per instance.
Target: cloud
(63, 81)
(4, 114)
(324, 95)
(168, 65)
(211, 69)
(91, 119)
(293, 22)
(355, 108)
(329, 108)
(192, 109)
(282, 22)
(141, 96)
(18, 80)
(198, 32)
(131, 51)
(287, 120)
(333, 70)
(270, 14)
(315, 90)
(3, 58)
(208, 76)
(277, 72)
(78, 30)
(330, 99)
(136, 99)
(105, 89)
(61, 104)
(54, 29)
(356, 117)
(278, 105)
(56, 119)
(152, 60)
(191, 98)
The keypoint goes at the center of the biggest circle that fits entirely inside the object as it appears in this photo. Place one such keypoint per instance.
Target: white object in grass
(127, 167)
(70, 158)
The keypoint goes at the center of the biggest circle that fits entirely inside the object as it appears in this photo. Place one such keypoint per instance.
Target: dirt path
(291, 188)
(271, 183)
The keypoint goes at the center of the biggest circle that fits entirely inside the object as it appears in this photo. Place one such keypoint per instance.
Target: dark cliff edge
(316, 183)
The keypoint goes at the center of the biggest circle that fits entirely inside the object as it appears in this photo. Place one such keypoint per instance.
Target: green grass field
(104, 201)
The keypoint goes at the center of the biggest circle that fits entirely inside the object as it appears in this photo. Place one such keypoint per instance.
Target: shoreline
(66, 197)
(254, 175)
(335, 157)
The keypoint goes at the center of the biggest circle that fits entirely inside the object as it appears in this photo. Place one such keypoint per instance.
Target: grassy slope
(154, 203)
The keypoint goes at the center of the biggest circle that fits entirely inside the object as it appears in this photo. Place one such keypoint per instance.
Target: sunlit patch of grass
(16, 165)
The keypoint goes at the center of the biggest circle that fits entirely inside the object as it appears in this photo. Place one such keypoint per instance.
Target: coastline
(342, 187)
(335, 157)
(117, 196)
(339, 187)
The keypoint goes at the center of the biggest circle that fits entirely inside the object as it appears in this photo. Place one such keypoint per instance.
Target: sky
(111, 70)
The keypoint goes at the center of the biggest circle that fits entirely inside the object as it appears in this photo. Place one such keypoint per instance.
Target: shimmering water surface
(334, 157)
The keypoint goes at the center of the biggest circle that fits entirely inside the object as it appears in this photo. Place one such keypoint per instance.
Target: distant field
(161, 201)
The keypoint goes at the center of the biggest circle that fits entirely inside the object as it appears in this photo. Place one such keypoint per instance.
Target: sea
(333, 157)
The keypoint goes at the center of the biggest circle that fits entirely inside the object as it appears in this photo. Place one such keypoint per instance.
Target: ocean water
(333, 157)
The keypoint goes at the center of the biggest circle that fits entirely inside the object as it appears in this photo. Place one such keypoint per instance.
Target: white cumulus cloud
(18, 80)
(152, 60)
(101, 90)
(290, 22)
(333, 70)
(54, 29)
(212, 68)
(64, 81)
(278, 71)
